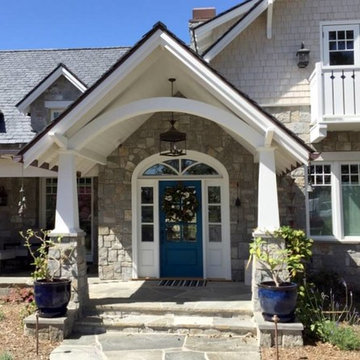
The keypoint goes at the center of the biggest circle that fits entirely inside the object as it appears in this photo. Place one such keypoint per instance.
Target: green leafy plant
(6, 356)
(342, 336)
(285, 263)
(41, 257)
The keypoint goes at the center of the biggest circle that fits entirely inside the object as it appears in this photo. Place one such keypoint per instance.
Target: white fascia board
(232, 99)
(10, 168)
(269, 19)
(24, 106)
(57, 104)
(205, 30)
(93, 98)
(234, 32)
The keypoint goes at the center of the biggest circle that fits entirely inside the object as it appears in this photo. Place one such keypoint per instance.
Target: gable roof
(22, 70)
(206, 33)
(168, 40)
(60, 70)
(246, 13)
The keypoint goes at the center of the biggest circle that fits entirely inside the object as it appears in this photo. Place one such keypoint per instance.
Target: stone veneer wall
(115, 243)
(61, 90)
(10, 222)
(327, 256)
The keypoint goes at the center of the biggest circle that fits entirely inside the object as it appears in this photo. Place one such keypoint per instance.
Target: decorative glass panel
(214, 195)
(159, 169)
(147, 233)
(215, 233)
(189, 231)
(173, 163)
(200, 169)
(185, 163)
(173, 232)
(147, 214)
(214, 214)
(147, 195)
(351, 199)
(320, 206)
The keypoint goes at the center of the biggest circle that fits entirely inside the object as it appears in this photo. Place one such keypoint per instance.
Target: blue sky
(34, 24)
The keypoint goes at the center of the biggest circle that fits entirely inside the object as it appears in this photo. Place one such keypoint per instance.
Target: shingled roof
(22, 70)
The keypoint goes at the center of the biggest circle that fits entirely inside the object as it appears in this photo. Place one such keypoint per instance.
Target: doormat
(184, 283)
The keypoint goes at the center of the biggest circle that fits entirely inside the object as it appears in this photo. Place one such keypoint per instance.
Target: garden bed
(317, 351)
(12, 338)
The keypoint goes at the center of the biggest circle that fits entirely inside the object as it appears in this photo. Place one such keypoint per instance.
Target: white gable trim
(24, 105)
(166, 104)
(236, 30)
(204, 30)
(239, 105)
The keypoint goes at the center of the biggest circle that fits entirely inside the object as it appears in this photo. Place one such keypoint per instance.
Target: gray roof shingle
(22, 70)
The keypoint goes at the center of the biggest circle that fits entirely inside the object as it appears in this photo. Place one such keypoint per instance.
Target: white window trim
(139, 181)
(336, 196)
(336, 25)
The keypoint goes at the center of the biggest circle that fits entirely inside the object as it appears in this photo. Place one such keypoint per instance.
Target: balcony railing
(335, 99)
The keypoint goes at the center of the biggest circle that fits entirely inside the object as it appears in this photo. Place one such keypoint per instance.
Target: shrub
(342, 336)
(5, 356)
(19, 295)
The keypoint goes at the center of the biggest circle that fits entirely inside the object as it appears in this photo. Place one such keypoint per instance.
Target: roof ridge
(65, 49)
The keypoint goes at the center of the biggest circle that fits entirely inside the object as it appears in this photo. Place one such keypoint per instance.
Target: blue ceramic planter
(52, 297)
(280, 301)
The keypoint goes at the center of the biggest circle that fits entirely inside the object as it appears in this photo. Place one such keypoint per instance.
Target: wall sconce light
(303, 57)
(3, 196)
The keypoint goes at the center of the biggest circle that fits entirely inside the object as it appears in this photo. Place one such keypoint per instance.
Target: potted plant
(283, 264)
(52, 293)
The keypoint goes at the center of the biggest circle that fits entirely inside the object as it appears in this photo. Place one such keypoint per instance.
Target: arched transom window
(181, 167)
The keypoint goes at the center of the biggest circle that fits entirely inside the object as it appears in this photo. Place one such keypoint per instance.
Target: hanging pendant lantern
(173, 141)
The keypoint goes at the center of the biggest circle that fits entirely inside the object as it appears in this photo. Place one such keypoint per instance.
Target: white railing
(335, 93)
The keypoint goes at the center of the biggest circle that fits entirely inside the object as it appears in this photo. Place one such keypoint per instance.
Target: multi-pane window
(340, 45)
(214, 213)
(350, 192)
(147, 214)
(334, 199)
(320, 204)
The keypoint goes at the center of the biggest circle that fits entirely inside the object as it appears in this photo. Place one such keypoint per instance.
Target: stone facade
(60, 90)
(115, 244)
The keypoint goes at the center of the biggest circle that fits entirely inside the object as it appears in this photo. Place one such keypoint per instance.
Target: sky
(44, 24)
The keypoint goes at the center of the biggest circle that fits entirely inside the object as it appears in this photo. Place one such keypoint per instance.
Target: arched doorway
(167, 243)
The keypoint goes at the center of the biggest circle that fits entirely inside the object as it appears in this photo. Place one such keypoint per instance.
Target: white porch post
(67, 209)
(268, 205)
(67, 226)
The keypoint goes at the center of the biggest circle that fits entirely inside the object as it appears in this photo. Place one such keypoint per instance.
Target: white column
(67, 209)
(268, 205)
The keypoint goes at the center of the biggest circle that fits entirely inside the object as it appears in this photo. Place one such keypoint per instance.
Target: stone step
(169, 323)
(199, 309)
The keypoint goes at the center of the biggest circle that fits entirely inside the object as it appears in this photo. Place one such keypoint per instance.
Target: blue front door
(181, 252)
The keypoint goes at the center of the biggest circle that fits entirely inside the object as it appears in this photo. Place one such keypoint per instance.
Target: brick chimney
(201, 15)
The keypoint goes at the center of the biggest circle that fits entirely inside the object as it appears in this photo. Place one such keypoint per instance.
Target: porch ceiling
(116, 107)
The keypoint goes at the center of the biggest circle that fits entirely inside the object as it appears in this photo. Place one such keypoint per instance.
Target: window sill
(346, 241)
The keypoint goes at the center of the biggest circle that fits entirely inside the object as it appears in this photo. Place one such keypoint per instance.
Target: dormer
(51, 96)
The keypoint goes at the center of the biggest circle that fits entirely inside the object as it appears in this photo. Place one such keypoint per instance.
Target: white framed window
(54, 113)
(334, 200)
(341, 45)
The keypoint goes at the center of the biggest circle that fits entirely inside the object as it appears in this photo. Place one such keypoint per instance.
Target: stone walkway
(148, 298)
(115, 345)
